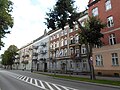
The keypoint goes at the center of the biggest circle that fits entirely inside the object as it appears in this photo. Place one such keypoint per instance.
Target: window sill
(99, 66)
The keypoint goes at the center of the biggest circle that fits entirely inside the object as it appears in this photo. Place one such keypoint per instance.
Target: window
(57, 44)
(65, 42)
(77, 39)
(62, 33)
(77, 52)
(83, 50)
(108, 4)
(110, 22)
(71, 51)
(76, 27)
(115, 59)
(57, 53)
(83, 24)
(65, 52)
(71, 30)
(51, 38)
(95, 11)
(71, 64)
(112, 39)
(65, 32)
(61, 52)
(57, 35)
(62, 42)
(99, 60)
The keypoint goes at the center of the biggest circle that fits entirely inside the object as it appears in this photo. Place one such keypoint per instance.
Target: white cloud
(28, 20)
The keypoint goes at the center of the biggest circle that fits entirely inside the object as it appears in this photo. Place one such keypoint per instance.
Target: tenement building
(107, 58)
(65, 49)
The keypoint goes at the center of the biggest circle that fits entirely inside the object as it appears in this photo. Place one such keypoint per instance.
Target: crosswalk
(39, 83)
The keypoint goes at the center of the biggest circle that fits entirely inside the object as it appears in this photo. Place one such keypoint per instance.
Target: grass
(108, 82)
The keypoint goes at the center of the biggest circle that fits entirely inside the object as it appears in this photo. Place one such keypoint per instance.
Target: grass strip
(99, 81)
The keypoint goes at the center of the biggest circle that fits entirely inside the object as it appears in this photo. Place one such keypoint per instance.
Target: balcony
(35, 47)
(43, 44)
(35, 54)
(43, 52)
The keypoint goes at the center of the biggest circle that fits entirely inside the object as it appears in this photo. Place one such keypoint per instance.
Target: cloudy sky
(28, 20)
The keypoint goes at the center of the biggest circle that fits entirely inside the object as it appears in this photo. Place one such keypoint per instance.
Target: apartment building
(24, 58)
(107, 58)
(65, 50)
(40, 54)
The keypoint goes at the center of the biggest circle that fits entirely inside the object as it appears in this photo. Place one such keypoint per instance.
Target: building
(65, 50)
(107, 58)
(23, 60)
(40, 53)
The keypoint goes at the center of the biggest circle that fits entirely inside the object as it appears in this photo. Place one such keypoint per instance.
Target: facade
(107, 58)
(40, 54)
(65, 50)
(24, 58)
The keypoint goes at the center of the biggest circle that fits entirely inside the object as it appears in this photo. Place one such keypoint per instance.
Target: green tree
(9, 56)
(6, 19)
(63, 12)
(91, 36)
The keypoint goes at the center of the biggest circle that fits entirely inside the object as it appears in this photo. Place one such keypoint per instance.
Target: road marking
(49, 86)
(21, 77)
(36, 82)
(27, 79)
(31, 80)
(56, 87)
(41, 84)
(24, 77)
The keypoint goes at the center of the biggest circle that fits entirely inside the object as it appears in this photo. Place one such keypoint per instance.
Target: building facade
(107, 58)
(65, 50)
(40, 53)
(24, 58)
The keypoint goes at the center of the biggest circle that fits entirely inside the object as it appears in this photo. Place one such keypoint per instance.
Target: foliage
(9, 55)
(62, 13)
(6, 19)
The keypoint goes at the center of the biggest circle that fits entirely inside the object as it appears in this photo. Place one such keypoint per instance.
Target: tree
(6, 19)
(8, 57)
(91, 36)
(62, 13)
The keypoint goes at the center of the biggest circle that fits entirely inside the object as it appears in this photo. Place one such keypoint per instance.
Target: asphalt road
(24, 80)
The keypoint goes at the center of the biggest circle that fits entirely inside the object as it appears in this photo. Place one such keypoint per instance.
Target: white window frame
(108, 5)
(95, 11)
(115, 61)
(83, 50)
(112, 39)
(99, 60)
(110, 21)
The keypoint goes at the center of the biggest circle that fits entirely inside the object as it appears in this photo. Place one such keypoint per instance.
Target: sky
(29, 16)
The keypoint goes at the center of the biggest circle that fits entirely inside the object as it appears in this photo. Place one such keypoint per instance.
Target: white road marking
(49, 86)
(31, 80)
(36, 82)
(21, 77)
(56, 87)
(41, 84)
(24, 77)
(27, 79)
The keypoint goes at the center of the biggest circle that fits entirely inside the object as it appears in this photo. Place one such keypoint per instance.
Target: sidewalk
(86, 76)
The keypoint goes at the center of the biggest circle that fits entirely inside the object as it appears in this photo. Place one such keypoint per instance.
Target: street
(25, 80)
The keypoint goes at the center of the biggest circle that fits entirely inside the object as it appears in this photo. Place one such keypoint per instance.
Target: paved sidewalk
(86, 76)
